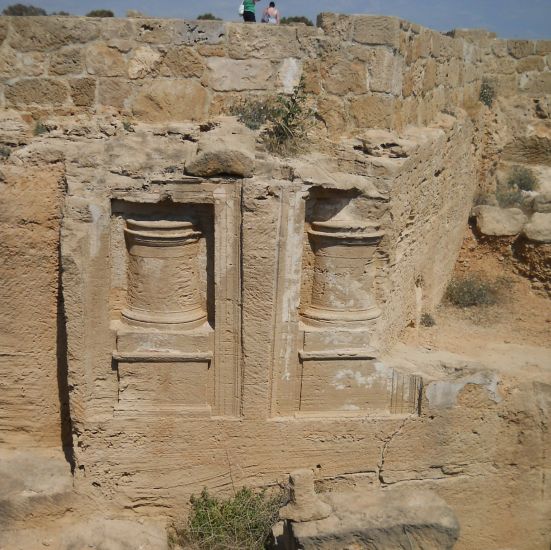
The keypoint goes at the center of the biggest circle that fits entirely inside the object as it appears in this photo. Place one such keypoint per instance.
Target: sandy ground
(521, 318)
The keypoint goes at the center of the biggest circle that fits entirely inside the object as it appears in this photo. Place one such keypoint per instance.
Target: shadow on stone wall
(62, 375)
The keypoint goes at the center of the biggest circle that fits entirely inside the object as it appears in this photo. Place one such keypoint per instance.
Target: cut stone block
(385, 520)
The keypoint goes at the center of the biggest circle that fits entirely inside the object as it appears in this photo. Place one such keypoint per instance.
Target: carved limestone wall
(204, 313)
(216, 316)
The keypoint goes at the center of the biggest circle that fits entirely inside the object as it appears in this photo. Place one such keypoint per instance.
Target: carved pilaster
(164, 287)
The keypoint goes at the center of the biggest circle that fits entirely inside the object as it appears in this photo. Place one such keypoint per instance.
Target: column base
(174, 320)
(318, 317)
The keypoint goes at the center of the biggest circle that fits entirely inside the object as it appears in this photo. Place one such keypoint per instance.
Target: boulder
(14, 130)
(539, 228)
(36, 91)
(90, 532)
(233, 75)
(33, 483)
(226, 149)
(104, 61)
(499, 222)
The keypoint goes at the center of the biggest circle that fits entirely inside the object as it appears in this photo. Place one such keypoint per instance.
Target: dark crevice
(62, 374)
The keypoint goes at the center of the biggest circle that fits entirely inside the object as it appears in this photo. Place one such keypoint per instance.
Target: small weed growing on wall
(5, 152)
(487, 93)
(510, 193)
(254, 113)
(290, 121)
(243, 521)
(427, 320)
(40, 128)
(483, 198)
(522, 178)
(287, 118)
(472, 291)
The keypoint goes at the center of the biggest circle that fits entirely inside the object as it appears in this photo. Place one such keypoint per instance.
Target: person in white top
(271, 15)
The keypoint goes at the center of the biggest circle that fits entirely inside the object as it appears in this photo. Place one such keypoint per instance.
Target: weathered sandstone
(181, 309)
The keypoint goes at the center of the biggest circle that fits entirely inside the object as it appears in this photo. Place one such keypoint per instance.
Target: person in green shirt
(249, 12)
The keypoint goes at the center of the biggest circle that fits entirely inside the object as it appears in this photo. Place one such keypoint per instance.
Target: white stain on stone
(290, 73)
(350, 407)
(345, 378)
(443, 394)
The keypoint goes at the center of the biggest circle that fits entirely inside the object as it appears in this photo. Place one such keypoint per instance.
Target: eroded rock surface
(386, 520)
(181, 309)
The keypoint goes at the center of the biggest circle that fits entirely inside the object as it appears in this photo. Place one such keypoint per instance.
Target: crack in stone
(386, 443)
(433, 479)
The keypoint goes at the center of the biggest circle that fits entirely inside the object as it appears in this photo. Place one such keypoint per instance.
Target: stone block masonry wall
(363, 71)
(513, 66)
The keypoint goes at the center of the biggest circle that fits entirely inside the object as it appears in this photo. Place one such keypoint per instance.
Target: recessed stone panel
(156, 385)
(364, 386)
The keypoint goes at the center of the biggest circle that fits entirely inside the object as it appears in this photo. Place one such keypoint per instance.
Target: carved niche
(177, 333)
(336, 370)
(342, 289)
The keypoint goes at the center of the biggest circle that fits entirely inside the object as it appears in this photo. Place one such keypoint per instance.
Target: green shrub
(471, 291)
(40, 129)
(100, 13)
(522, 178)
(287, 118)
(482, 198)
(509, 193)
(5, 152)
(22, 9)
(289, 122)
(253, 113)
(241, 522)
(487, 93)
(296, 19)
(427, 320)
(208, 17)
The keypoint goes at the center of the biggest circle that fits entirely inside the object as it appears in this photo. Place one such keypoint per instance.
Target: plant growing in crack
(290, 121)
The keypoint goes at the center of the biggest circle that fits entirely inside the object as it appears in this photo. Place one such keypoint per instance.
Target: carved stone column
(343, 272)
(164, 286)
